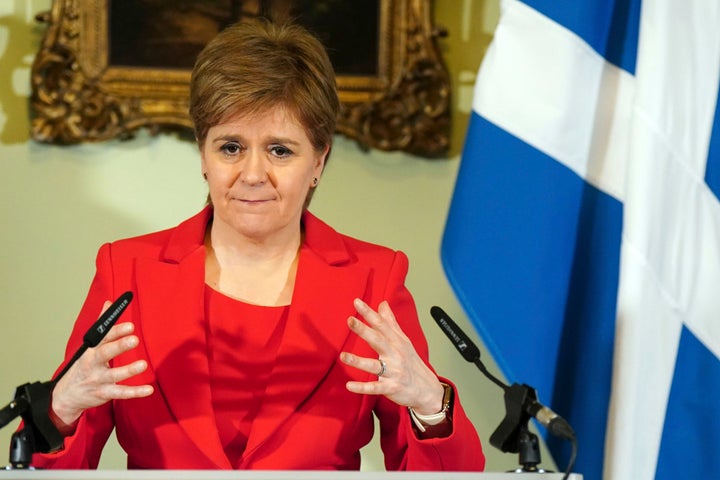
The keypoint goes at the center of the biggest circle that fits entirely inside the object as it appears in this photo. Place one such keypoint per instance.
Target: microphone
(554, 423)
(462, 342)
(100, 328)
(98, 331)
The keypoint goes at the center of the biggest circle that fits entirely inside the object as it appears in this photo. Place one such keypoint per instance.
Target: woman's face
(259, 170)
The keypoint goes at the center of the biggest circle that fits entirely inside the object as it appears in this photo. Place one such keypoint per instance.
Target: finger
(124, 392)
(119, 374)
(361, 328)
(369, 315)
(105, 306)
(387, 314)
(367, 388)
(118, 331)
(108, 351)
(369, 365)
(367, 333)
(383, 320)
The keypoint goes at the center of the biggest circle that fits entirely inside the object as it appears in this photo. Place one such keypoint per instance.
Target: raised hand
(403, 377)
(91, 382)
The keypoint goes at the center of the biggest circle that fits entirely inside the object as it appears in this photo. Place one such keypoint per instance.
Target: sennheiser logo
(456, 338)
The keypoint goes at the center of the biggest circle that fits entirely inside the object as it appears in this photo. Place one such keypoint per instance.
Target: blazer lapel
(172, 301)
(325, 286)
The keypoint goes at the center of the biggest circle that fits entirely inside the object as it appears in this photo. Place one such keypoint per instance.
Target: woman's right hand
(91, 382)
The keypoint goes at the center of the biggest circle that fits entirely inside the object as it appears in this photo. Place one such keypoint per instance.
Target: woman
(242, 348)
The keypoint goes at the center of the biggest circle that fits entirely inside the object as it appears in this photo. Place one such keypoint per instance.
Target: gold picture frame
(79, 95)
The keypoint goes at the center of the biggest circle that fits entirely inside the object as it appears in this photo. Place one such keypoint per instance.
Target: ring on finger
(383, 368)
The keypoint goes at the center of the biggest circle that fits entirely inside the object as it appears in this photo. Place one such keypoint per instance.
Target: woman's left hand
(405, 378)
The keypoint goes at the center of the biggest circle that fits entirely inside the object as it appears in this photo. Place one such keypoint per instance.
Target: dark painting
(169, 34)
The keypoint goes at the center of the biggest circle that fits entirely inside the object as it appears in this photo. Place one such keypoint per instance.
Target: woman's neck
(261, 272)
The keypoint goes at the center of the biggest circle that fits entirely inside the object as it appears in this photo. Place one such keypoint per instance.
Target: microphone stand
(38, 434)
(32, 400)
(513, 435)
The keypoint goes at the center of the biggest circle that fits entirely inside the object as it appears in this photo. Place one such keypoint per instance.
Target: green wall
(59, 204)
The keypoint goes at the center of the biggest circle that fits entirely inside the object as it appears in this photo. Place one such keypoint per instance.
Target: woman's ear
(203, 165)
(320, 160)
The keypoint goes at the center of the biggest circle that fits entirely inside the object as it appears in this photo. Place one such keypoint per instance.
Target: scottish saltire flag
(583, 237)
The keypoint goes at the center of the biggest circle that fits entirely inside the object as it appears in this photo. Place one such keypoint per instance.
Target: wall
(58, 204)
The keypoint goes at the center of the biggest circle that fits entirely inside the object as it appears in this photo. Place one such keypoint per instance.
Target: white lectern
(268, 475)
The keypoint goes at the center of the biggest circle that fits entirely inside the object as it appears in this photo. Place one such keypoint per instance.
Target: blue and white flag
(583, 238)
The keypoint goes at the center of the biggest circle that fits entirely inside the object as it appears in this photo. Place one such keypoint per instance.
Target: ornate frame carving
(77, 96)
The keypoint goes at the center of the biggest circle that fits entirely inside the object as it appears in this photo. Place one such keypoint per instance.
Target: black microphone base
(22, 446)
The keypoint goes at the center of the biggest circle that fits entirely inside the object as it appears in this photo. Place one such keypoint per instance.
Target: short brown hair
(255, 65)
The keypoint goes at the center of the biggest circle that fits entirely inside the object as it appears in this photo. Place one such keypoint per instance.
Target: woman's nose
(254, 168)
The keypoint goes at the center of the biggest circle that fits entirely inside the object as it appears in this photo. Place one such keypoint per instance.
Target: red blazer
(308, 420)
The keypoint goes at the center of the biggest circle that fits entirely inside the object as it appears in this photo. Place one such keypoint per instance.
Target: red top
(243, 341)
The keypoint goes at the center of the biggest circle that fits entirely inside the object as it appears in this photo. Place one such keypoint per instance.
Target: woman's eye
(280, 151)
(230, 148)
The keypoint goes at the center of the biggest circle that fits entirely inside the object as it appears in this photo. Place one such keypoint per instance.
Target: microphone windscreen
(103, 325)
(462, 342)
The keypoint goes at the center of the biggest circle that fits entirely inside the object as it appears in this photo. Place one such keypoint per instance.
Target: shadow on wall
(21, 42)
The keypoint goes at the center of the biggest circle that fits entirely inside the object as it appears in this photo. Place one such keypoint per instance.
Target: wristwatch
(424, 421)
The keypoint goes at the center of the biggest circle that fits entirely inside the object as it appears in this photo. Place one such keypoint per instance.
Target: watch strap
(424, 421)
